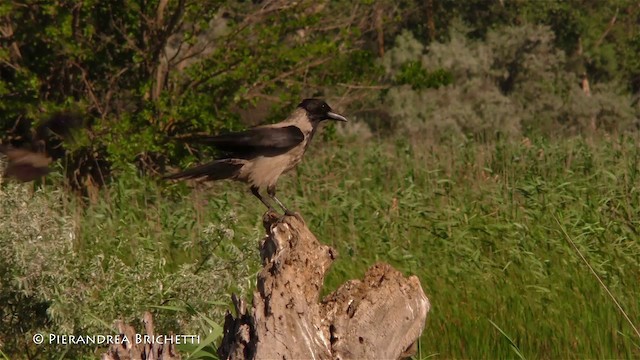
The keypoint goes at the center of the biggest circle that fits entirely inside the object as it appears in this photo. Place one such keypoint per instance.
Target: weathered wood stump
(379, 317)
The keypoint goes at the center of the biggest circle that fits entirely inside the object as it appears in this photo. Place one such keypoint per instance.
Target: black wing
(261, 138)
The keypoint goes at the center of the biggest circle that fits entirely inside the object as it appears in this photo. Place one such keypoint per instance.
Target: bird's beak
(334, 116)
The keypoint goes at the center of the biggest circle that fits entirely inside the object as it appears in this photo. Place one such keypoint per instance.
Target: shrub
(514, 82)
(64, 274)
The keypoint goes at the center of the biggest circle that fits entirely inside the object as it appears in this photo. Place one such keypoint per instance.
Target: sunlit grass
(476, 223)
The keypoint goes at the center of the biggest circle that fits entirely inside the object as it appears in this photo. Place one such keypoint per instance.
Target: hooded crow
(259, 156)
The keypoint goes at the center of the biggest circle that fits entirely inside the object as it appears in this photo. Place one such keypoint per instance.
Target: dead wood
(379, 317)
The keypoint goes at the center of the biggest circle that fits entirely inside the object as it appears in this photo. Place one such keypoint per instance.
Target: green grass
(476, 223)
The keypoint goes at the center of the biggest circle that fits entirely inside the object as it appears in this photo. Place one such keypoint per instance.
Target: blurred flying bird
(24, 164)
(39, 147)
(259, 156)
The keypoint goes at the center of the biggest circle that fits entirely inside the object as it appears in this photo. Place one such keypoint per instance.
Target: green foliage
(597, 36)
(70, 271)
(412, 73)
(456, 197)
(142, 71)
(513, 83)
(145, 70)
(464, 217)
(476, 223)
(35, 239)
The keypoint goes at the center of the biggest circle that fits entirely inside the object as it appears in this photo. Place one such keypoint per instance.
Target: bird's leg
(271, 190)
(256, 191)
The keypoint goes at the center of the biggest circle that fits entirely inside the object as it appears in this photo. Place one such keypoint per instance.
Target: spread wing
(265, 138)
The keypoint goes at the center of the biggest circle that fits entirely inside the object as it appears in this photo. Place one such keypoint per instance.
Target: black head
(318, 110)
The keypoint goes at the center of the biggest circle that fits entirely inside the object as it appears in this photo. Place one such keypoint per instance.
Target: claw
(270, 218)
(294, 214)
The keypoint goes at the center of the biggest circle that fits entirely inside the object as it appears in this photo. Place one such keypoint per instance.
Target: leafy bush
(412, 73)
(36, 241)
(144, 71)
(69, 275)
(516, 82)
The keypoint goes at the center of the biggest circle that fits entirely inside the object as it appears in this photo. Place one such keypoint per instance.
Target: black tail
(215, 170)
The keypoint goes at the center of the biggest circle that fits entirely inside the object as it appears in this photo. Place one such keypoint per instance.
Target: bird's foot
(271, 217)
(295, 214)
(275, 219)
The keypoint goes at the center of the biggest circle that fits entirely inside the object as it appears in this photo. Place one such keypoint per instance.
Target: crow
(259, 155)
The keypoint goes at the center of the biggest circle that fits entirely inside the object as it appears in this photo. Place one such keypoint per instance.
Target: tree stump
(379, 317)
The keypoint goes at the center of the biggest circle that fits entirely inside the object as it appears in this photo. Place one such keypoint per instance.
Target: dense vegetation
(485, 137)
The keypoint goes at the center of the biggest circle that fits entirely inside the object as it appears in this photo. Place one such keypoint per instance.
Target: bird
(25, 165)
(259, 155)
(41, 146)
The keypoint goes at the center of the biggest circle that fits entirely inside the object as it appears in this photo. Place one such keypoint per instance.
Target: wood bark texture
(379, 317)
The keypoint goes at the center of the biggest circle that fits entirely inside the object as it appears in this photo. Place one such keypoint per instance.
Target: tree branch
(612, 22)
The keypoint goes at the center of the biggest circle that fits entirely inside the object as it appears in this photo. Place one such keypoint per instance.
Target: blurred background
(485, 136)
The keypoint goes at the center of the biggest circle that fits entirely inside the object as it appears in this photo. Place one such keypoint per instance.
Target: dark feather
(260, 138)
(215, 170)
(26, 172)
